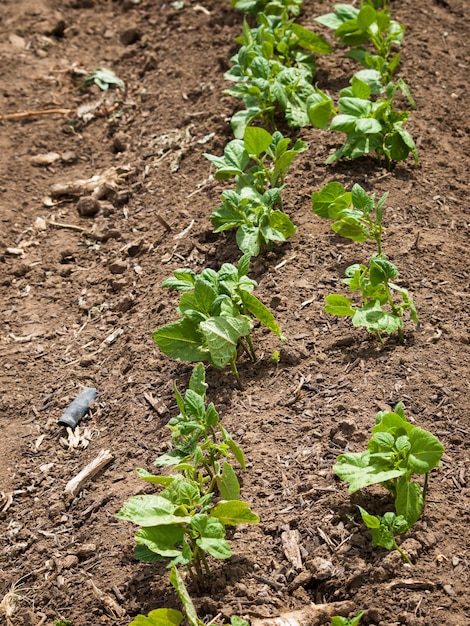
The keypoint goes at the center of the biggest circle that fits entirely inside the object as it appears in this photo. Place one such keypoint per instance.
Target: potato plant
(217, 311)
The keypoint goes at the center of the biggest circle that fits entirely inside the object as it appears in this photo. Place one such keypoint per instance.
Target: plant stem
(233, 367)
(405, 556)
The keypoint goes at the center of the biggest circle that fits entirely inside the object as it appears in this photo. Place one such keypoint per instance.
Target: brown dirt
(69, 290)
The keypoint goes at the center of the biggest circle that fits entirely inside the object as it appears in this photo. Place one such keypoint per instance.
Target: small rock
(118, 267)
(68, 157)
(86, 550)
(301, 580)
(321, 569)
(120, 142)
(450, 591)
(87, 206)
(130, 36)
(45, 159)
(40, 224)
(125, 304)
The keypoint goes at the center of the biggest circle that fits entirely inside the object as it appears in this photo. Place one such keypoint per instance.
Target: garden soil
(81, 292)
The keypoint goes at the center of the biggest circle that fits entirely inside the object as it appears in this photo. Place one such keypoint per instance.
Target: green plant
(273, 72)
(354, 27)
(259, 160)
(357, 216)
(396, 452)
(384, 529)
(371, 125)
(257, 221)
(337, 620)
(217, 310)
(373, 282)
(269, 7)
(187, 520)
(104, 79)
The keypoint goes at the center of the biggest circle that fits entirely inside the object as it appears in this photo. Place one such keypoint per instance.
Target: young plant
(396, 452)
(187, 520)
(357, 216)
(355, 27)
(217, 310)
(371, 125)
(269, 7)
(259, 161)
(337, 620)
(258, 222)
(374, 284)
(104, 79)
(384, 529)
(273, 72)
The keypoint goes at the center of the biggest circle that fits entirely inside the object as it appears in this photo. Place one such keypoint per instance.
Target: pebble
(87, 206)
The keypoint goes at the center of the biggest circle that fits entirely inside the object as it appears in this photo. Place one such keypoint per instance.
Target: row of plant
(273, 73)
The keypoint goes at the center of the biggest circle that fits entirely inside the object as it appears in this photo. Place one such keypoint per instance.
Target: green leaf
(375, 319)
(178, 583)
(339, 305)
(194, 404)
(371, 521)
(227, 483)
(162, 540)
(151, 478)
(197, 381)
(409, 500)
(330, 200)
(381, 271)
(222, 335)
(159, 617)
(248, 239)
(257, 140)
(425, 452)
(356, 107)
(236, 451)
(366, 17)
(150, 510)
(233, 512)
(261, 312)
(103, 78)
(358, 472)
(142, 553)
(351, 229)
(181, 340)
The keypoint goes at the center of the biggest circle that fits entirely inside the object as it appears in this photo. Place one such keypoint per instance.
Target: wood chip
(75, 484)
(290, 544)
(312, 615)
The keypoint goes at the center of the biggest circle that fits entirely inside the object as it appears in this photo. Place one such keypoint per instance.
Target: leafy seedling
(259, 161)
(371, 124)
(104, 79)
(396, 452)
(355, 27)
(187, 520)
(217, 311)
(356, 215)
(384, 529)
(337, 620)
(379, 312)
(274, 7)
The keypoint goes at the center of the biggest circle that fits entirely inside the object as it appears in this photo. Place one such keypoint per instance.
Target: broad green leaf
(248, 239)
(236, 451)
(159, 617)
(181, 340)
(256, 140)
(169, 458)
(150, 510)
(356, 107)
(142, 553)
(281, 223)
(163, 540)
(241, 119)
(310, 40)
(351, 230)
(261, 312)
(409, 500)
(205, 294)
(227, 483)
(238, 621)
(374, 318)
(360, 88)
(425, 452)
(103, 78)
(381, 271)
(330, 200)
(344, 123)
(222, 335)
(339, 305)
(356, 470)
(233, 512)
(366, 17)
(243, 265)
(178, 583)
(181, 491)
(218, 548)
(235, 155)
(194, 404)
